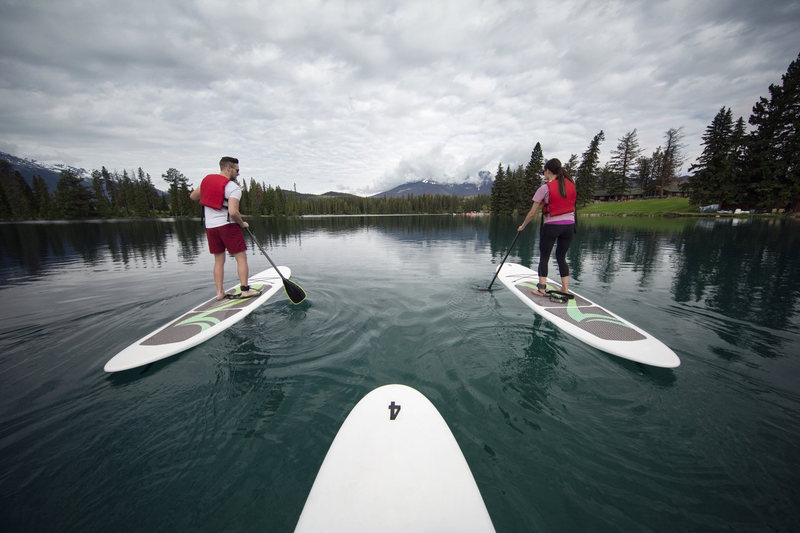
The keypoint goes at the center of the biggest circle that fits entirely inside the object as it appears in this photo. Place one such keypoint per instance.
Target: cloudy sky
(359, 96)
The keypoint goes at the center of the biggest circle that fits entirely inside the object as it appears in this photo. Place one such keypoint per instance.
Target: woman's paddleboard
(394, 466)
(199, 324)
(587, 321)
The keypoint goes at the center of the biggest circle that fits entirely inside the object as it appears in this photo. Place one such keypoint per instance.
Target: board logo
(394, 410)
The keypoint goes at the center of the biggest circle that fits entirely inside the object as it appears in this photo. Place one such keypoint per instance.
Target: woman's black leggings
(550, 234)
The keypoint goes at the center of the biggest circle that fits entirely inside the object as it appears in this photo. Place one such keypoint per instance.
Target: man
(220, 196)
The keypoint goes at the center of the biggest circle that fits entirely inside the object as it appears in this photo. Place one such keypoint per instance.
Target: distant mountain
(465, 189)
(329, 194)
(49, 173)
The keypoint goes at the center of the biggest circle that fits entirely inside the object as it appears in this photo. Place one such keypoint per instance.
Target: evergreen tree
(179, 202)
(533, 176)
(126, 194)
(673, 158)
(102, 206)
(586, 175)
(502, 194)
(43, 198)
(606, 178)
(623, 162)
(72, 199)
(147, 191)
(244, 202)
(713, 170)
(19, 202)
(656, 162)
(739, 189)
(572, 165)
(113, 190)
(644, 171)
(6, 170)
(141, 206)
(773, 148)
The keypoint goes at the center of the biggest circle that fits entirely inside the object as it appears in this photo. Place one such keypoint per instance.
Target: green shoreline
(661, 207)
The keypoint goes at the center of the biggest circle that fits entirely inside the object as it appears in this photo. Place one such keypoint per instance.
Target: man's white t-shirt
(216, 218)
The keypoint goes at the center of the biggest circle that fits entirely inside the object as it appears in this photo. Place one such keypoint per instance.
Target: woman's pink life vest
(212, 191)
(557, 204)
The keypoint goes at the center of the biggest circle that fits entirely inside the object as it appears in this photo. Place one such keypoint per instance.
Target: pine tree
(126, 194)
(102, 207)
(502, 194)
(623, 161)
(572, 165)
(112, 188)
(533, 176)
(713, 169)
(773, 148)
(179, 201)
(586, 175)
(43, 198)
(72, 199)
(6, 170)
(606, 178)
(644, 171)
(673, 158)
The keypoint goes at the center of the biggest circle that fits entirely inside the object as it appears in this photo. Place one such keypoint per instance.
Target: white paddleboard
(587, 321)
(394, 466)
(198, 325)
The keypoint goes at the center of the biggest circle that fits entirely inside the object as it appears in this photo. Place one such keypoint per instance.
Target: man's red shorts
(225, 237)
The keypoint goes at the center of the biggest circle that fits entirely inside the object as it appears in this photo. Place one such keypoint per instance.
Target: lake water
(229, 436)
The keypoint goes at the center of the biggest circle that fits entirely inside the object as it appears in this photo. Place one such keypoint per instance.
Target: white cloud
(363, 95)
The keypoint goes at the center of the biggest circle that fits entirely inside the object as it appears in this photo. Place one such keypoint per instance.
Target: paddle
(293, 290)
(503, 261)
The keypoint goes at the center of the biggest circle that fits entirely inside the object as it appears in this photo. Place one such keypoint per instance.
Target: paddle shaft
(265, 253)
(294, 291)
(504, 260)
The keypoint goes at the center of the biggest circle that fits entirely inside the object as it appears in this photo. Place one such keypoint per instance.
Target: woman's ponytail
(554, 166)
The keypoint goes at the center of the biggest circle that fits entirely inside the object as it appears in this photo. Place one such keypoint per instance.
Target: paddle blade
(295, 293)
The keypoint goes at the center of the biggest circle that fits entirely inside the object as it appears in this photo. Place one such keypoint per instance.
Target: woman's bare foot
(540, 290)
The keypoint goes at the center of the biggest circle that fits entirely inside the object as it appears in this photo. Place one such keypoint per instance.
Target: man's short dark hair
(227, 161)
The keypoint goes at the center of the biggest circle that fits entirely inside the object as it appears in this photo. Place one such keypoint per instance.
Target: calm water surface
(229, 436)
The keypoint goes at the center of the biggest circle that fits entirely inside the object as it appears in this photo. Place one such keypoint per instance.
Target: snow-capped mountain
(49, 173)
(465, 189)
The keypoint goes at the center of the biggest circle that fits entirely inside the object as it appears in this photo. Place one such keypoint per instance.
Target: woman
(557, 198)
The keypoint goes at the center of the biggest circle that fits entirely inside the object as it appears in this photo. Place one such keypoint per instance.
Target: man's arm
(233, 212)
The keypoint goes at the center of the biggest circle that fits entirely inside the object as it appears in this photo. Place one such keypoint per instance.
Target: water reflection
(747, 271)
(31, 249)
(750, 272)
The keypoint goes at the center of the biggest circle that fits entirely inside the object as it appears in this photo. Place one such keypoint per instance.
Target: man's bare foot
(220, 296)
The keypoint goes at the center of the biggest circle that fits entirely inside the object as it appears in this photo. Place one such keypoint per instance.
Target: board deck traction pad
(579, 312)
(587, 321)
(198, 325)
(203, 317)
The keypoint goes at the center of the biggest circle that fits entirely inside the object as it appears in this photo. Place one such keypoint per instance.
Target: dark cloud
(365, 95)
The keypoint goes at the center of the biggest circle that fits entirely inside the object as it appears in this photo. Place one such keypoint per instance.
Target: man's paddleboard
(587, 321)
(394, 466)
(199, 324)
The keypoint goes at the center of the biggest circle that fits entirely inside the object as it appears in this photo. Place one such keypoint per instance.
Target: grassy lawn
(655, 207)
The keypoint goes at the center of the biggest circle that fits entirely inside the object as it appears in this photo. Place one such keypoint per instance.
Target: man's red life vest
(558, 205)
(212, 191)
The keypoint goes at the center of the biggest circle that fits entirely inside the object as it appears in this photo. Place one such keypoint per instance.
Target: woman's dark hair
(554, 166)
